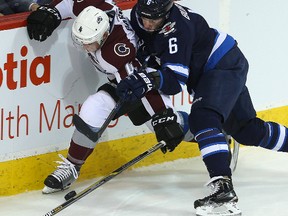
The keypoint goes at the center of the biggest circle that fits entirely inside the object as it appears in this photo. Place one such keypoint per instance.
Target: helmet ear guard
(153, 9)
(90, 26)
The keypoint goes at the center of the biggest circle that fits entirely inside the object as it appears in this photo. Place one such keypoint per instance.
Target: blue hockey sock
(184, 120)
(214, 150)
(276, 137)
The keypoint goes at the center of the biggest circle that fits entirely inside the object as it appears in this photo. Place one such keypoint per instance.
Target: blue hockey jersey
(185, 46)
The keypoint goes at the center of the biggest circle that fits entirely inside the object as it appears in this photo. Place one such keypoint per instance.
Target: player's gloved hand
(142, 53)
(136, 84)
(42, 22)
(168, 129)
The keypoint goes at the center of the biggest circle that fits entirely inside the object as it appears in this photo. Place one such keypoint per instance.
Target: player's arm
(175, 59)
(44, 19)
(169, 78)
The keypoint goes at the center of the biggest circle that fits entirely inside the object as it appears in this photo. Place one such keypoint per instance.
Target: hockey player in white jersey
(108, 39)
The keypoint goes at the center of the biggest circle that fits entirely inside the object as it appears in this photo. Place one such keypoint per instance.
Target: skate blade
(48, 190)
(225, 209)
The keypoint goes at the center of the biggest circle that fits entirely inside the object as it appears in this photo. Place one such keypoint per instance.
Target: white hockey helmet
(90, 26)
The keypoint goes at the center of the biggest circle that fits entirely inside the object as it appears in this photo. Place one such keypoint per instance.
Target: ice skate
(221, 202)
(61, 179)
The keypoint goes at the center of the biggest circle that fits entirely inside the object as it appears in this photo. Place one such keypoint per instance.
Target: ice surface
(260, 180)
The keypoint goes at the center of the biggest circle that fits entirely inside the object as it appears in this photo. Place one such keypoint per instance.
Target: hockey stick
(82, 127)
(105, 179)
(234, 146)
(234, 151)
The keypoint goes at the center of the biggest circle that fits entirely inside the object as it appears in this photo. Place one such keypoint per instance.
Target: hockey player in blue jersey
(214, 70)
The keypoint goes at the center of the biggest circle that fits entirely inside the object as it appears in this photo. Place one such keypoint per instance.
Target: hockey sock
(184, 121)
(206, 125)
(276, 137)
(214, 150)
(78, 154)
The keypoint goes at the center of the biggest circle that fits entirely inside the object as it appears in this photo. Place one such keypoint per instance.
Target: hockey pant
(98, 106)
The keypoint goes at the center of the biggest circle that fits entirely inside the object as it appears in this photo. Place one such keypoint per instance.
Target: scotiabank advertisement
(42, 85)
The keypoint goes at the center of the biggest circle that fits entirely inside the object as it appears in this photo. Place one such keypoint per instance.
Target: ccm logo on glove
(167, 129)
(163, 120)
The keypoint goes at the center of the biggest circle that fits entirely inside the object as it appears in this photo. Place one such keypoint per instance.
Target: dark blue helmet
(153, 9)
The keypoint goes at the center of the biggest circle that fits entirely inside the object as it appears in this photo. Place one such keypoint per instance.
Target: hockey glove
(167, 129)
(42, 22)
(136, 84)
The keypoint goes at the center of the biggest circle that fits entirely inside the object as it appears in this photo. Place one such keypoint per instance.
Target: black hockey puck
(70, 195)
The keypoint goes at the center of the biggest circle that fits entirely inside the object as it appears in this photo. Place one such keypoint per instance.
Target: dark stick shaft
(110, 117)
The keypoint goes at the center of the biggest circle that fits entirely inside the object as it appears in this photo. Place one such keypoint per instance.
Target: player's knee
(85, 129)
(96, 108)
(83, 140)
(203, 118)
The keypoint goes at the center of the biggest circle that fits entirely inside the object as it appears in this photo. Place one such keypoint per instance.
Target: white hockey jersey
(116, 58)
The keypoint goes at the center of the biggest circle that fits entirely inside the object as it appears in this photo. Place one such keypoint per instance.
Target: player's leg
(242, 112)
(94, 111)
(155, 106)
(215, 96)
(253, 131)
(215, 153)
